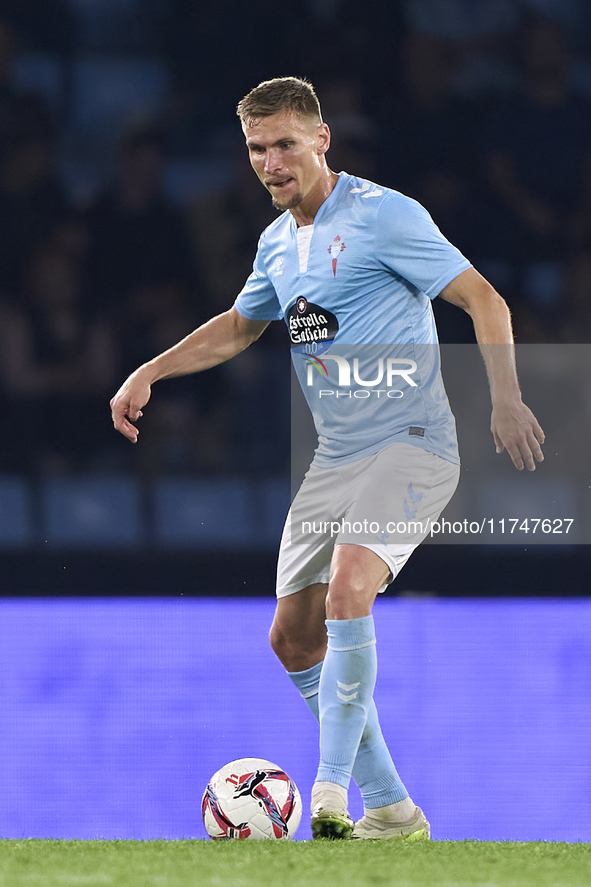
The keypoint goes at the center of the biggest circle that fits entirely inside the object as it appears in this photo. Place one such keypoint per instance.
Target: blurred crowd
(129, 214)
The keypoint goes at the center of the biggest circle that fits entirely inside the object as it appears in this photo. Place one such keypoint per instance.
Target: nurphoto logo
(394, 367)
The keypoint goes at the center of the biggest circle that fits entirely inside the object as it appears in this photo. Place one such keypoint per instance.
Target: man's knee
(279, 641)
(348, 599)
(357, 576)
(296, 649)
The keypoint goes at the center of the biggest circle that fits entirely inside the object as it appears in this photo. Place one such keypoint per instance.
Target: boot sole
(332, 827)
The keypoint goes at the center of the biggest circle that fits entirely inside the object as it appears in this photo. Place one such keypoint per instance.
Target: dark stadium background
(128, 215)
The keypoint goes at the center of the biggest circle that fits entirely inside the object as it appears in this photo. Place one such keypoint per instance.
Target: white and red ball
(251, 799)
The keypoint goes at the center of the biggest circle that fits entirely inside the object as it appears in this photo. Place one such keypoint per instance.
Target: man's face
(287, 154)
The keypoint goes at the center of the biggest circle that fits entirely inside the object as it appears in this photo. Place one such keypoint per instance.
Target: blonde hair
(293, 94)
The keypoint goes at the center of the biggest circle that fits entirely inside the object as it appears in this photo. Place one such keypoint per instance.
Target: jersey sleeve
(410, 244)
(258, 299)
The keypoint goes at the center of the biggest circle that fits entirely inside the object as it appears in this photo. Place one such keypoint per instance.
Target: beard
(288, 204)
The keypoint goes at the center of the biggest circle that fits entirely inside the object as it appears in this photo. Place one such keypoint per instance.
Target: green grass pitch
(293, 864)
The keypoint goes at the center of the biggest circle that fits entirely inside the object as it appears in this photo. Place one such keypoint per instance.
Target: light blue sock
(347, 683)
(373, 771)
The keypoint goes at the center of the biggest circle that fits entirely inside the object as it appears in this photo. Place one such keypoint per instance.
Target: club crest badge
(335, 249)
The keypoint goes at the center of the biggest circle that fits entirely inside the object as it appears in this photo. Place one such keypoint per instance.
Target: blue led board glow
(115, 713)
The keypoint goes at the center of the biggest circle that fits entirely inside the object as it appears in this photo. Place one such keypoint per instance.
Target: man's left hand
(516, 429)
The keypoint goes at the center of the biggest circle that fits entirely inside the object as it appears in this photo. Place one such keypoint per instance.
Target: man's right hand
(126, 406)
(218, 340)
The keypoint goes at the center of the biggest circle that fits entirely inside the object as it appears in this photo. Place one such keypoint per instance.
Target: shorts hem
(300, 584)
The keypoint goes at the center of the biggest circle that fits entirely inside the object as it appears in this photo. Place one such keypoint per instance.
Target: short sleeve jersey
(359, 315)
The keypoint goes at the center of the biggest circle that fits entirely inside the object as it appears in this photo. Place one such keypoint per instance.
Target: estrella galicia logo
(312, 329)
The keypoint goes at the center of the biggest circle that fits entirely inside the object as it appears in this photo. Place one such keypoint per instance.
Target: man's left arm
(513, 425)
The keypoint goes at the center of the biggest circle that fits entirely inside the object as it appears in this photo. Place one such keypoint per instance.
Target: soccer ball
(251, 798)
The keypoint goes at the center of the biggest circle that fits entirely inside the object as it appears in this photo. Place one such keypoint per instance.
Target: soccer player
(350, 265)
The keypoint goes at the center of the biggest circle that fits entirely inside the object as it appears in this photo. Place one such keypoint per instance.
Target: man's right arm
(214, 342)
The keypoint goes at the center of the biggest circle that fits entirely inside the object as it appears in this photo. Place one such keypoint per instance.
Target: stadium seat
(16, 526)
(41, 73)
(188, 180)
(204, 513)
(110, 92)
(529, 497)
(92, 512)
(274, 504)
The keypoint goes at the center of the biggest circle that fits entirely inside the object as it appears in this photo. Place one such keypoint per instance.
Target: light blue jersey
(358, 309)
